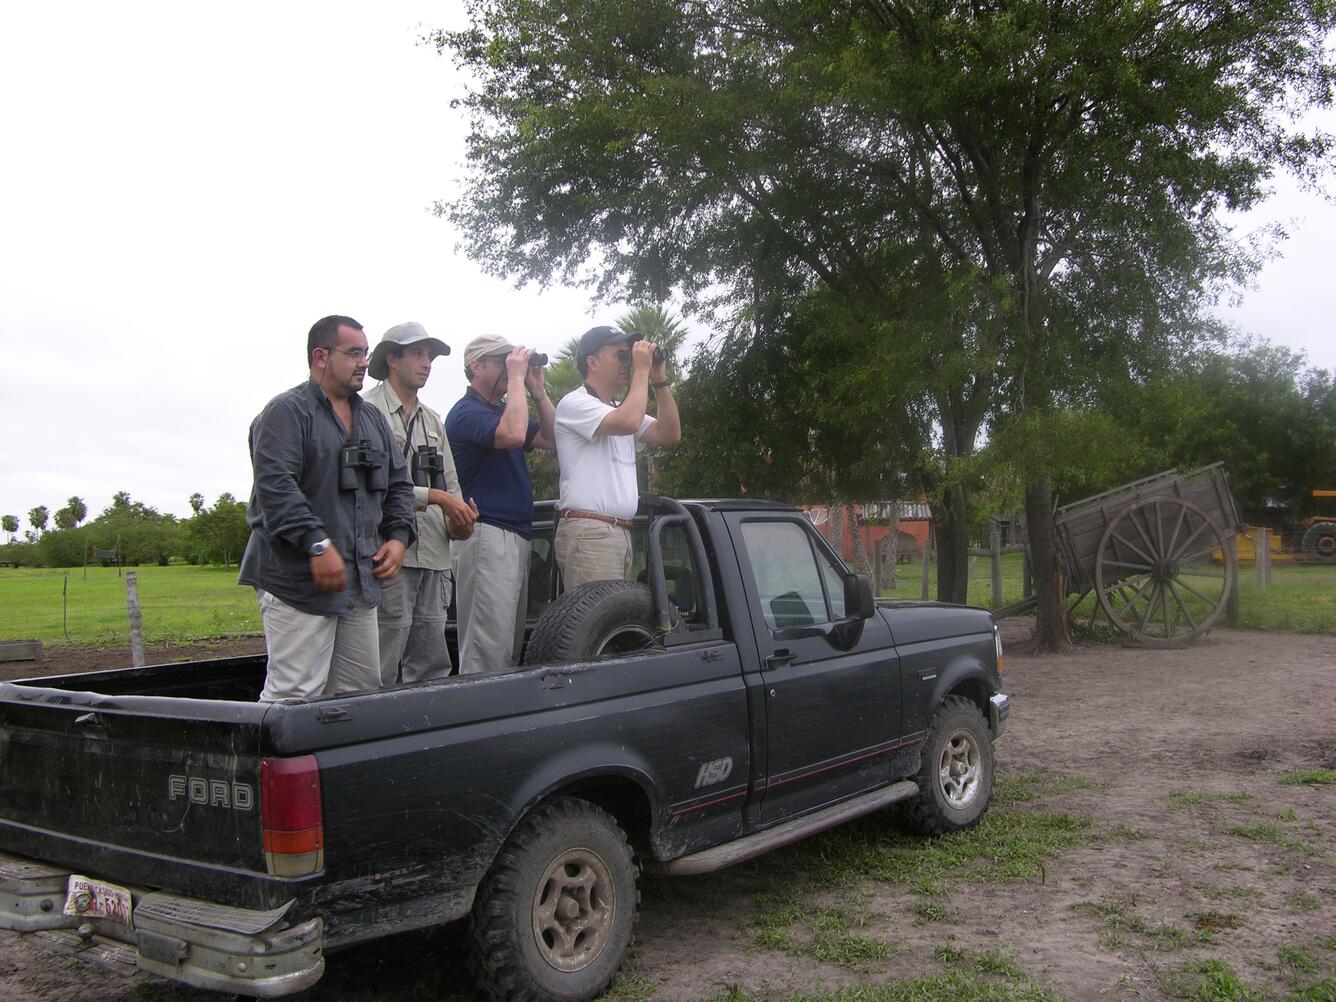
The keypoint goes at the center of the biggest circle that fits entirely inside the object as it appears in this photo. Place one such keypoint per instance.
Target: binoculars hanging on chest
(358, 463)
(428, 467)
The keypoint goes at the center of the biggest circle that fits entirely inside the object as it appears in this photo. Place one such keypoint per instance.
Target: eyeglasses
(356, 354)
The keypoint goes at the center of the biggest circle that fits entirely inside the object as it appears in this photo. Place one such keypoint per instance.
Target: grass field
(177, 603)
(1300, 599)
(182, 603)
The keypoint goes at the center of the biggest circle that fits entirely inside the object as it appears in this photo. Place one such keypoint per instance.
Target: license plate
(88, 898)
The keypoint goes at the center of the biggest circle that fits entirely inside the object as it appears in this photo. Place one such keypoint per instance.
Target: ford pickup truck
(746, 691)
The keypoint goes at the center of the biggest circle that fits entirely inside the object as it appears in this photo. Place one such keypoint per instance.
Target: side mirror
(859, 602)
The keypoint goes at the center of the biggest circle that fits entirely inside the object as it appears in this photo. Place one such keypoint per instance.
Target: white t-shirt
(598, 472)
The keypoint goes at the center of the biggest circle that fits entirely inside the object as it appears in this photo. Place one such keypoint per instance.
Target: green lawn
(1301, 597)
(177, 603)
(182, 603)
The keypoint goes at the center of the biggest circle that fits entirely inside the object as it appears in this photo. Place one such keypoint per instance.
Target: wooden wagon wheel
(1154, 574)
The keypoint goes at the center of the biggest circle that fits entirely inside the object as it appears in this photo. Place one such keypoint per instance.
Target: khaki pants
(411, 620)
(590, 550)
(312, 655)
(491, 597)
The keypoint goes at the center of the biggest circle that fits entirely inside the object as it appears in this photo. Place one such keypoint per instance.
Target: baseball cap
(596, 337)
(402, 334)
(484, 345)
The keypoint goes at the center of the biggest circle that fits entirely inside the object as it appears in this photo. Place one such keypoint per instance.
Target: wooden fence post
(1266, 556)
(1259, 560)
(995, 546)
(927, 555)
(136, 623)
(1232, 601)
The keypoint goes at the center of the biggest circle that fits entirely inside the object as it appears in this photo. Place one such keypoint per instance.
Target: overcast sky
(186, 188)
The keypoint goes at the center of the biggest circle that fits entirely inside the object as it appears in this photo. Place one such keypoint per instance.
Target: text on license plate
(88, 898)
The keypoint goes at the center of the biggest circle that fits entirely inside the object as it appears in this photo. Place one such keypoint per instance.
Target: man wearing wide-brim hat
(413, 606)
(490, 432)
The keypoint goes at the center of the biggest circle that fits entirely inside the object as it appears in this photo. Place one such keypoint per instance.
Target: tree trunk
(1051, 632)
(950, 517)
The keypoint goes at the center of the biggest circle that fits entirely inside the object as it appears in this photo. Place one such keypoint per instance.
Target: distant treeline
(130, 533)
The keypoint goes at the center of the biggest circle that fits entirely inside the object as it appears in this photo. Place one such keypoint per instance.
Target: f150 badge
(714, 772)
(211, 792)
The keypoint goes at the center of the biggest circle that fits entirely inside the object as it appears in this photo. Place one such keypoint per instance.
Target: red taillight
(294, 831)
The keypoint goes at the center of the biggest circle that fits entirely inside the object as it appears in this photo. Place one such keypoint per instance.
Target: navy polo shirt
(497, 479)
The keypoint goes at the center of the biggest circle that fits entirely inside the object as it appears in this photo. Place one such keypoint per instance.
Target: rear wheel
(555, 916)
(955, 777)
(1320, 542)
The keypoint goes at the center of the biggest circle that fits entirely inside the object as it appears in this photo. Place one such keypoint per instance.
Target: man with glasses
(597, 442)
(490, 431)
(331, 513)
(412, 607)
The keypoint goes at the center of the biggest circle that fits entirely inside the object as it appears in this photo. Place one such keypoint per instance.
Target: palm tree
(197, 502)
(37, 517)
(10, 523)
(77, 509)
(656, 324)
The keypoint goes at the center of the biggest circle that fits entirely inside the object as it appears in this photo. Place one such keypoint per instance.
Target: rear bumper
(198, 943)
(999, 707)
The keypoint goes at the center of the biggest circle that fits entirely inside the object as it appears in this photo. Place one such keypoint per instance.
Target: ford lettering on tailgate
(211, 792)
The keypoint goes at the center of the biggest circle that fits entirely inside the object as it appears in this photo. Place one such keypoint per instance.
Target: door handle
(781, 656)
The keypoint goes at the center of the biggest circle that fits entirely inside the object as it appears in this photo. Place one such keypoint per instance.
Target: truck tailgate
(157, 775)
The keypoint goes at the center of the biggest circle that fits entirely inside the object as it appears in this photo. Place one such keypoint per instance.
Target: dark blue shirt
(497, 479)
(295, 447)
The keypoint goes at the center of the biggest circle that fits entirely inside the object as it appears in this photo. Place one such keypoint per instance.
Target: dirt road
(1144, 846)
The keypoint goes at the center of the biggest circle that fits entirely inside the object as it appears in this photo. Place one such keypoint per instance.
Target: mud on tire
(555, 916)
(955, 776)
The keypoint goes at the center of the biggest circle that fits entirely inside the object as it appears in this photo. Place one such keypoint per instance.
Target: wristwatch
(319, 546)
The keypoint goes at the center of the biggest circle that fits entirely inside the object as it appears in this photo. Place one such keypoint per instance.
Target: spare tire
(1320, 542)
(597, 619)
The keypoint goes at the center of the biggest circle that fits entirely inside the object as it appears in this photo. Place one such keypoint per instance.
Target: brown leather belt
(625, 523)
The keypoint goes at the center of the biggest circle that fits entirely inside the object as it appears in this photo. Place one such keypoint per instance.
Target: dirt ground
(1197, 852)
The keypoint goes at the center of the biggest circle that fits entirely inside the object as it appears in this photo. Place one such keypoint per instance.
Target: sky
(182, 194)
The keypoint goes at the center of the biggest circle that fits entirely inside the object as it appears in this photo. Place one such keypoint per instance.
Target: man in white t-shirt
(597, 440)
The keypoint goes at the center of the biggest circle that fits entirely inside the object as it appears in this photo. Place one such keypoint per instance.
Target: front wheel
(955, 777)
(555, 915)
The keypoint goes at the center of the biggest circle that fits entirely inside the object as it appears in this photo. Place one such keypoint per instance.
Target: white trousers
(491, 597)
(312, 655)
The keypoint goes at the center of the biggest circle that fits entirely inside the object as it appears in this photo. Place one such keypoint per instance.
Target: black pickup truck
(745, 692)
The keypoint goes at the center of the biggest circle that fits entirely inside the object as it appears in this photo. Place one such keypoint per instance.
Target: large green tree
(1018, 199)
(1258, 408)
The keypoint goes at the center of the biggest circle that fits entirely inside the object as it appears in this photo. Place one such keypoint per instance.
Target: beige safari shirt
(432, 549)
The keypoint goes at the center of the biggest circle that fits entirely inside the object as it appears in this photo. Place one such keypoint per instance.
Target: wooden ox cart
(1155, 552)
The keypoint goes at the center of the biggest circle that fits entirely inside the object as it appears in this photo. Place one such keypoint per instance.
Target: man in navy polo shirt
(489, 431)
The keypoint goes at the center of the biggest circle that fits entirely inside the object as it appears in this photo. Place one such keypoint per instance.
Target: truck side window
(796, 585)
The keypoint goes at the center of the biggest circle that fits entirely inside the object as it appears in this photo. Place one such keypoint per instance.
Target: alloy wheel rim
(960, 769)
(573, 910)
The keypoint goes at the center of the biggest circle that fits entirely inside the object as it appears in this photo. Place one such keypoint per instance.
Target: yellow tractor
(1319, 529)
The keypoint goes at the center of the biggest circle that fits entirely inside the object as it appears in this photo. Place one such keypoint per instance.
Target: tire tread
(492, 963)
(922, 811)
